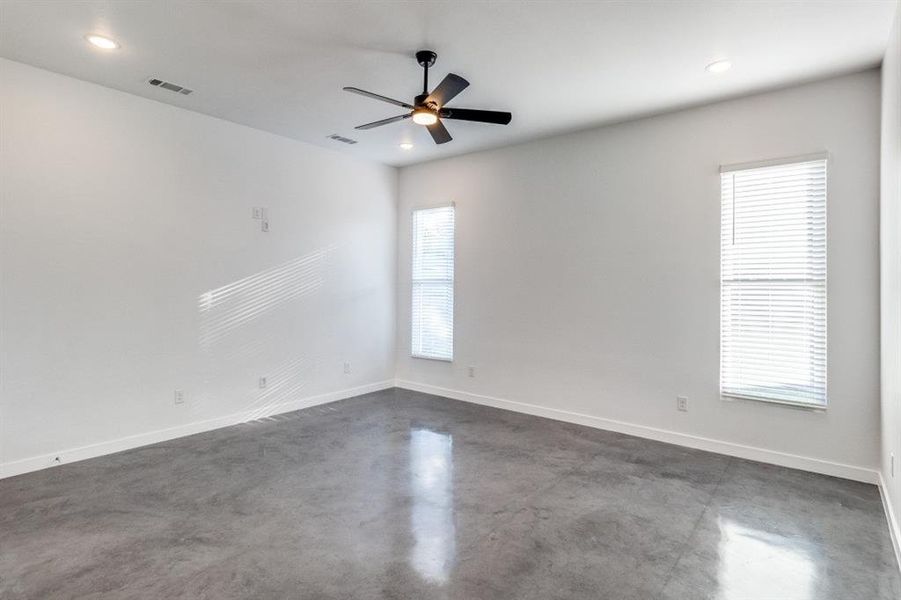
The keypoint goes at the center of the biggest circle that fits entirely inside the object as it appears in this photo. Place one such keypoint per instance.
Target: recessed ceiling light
(720, 66)
(406, 146)
(101, 41)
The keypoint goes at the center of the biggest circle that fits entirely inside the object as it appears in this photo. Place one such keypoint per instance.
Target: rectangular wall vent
(341, 138)
(172, 87)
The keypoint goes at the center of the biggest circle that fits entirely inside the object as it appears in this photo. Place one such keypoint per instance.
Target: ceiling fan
(429, 108)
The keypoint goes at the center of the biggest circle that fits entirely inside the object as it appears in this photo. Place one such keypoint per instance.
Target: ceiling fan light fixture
(424, 117)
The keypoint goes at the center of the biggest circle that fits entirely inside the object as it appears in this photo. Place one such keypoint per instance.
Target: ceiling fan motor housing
(426, 58)
(420, 102)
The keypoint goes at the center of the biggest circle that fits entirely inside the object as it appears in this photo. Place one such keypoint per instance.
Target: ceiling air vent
(341, 138)
(167, 85)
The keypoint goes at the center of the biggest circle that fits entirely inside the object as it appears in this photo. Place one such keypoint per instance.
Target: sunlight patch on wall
(284, 383)
(228, 308)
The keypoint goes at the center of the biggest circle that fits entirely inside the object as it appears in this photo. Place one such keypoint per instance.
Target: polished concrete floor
(403, 495)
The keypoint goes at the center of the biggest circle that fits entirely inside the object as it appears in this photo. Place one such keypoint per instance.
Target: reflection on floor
(402, 495)
(764, 565)
(432, 515)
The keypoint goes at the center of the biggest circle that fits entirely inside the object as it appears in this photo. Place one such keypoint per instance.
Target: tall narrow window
(433, 283)
(773, 283)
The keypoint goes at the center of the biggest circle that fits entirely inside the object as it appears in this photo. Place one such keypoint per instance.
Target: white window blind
(773, 283)
(433, 283)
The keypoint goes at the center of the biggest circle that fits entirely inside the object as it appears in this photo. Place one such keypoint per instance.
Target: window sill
(783, 403)
(435, 358)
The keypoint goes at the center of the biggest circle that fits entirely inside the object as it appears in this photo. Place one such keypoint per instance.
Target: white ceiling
(557, 66)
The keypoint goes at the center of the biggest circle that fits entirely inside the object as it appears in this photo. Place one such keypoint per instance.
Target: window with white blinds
(433, 283)
(773, 283)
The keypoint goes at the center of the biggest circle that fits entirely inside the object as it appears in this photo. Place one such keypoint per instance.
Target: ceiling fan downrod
(426, 58)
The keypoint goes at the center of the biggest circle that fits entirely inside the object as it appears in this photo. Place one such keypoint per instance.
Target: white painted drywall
(890, 249)
(131, 267)
(587, 269)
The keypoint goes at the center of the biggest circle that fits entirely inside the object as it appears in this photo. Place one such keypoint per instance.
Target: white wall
(890, 240)
(120, 215)
(587, 274)
(587, 270)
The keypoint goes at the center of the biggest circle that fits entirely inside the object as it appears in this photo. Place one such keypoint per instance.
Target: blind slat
(773, 283)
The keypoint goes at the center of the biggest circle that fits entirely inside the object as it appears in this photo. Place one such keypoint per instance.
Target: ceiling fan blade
(449, 87)
(439, 132)
(384, 121)
(354, 90)
(481, 116)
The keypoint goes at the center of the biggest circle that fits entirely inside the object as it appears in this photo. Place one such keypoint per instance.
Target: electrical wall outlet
(682, 403)
(179, 396)
(347, 368)
(472, 371)
(262, 383)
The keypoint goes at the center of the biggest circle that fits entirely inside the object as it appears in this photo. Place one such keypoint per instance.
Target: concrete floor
(403, 495)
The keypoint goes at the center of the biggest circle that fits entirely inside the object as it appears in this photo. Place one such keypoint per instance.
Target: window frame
(453, 280)
(802, 405)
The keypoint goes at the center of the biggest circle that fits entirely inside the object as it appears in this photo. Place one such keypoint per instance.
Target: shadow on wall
(284, 383)
(226, 309)
(235, 340)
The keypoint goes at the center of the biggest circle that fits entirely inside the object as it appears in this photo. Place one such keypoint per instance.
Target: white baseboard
(783, 459)
(70, 455)
(890, 517)
(672, 437)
